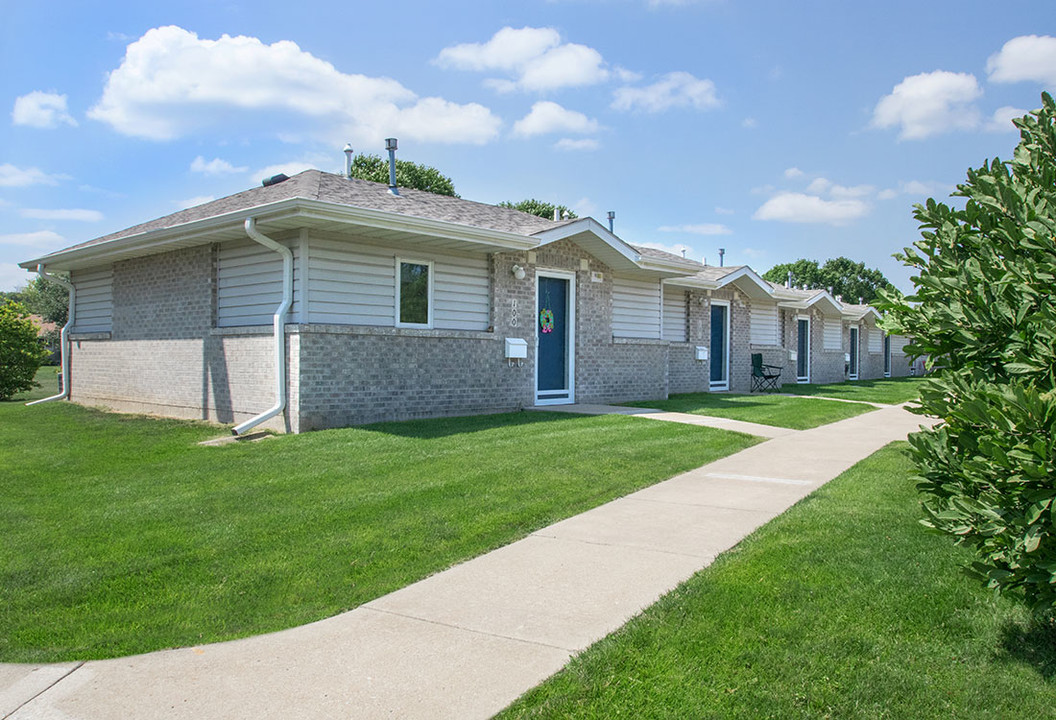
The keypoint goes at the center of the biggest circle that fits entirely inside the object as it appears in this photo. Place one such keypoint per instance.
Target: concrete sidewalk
(767, 431)
(468, 641)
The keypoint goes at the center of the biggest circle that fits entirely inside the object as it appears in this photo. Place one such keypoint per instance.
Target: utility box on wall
(701, 352)
(516, 349)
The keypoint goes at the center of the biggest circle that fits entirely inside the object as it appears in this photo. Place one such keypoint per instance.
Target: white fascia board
(749, 282)
(273, 212)
(862, 314)
(588, 224)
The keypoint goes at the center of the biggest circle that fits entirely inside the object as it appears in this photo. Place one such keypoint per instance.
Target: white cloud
(585, 207)
(750, 123)
(1001, 120)
(534, 57)
(577, 145)
(673, 90)
(800, 208)
(916, 188)
(12, 277)
(930, 104)
(11, 176)
(171, 82)
(216, 166)
(823, 186)
(549, 117)
(196, 200)
(41, 239)
(73, 214)
(1025, 58)
(699, 229)
(723, 211)
(42, 110)
(887, 194)
(793, 172)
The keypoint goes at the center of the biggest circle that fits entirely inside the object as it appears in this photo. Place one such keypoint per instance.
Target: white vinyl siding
(876, 341)
(355, 284)
(635, 308)
(764, 324)
(249, 285)
(461, 293)
(674, 314)
(94, 305)
(350, 285)
(898, 344)
(832, 329)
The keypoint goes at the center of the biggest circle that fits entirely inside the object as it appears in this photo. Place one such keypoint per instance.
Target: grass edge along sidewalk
(842, 607)
(121, 535)
(776, 410)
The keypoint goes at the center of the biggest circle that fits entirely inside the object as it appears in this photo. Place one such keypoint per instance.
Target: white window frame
(396, 310)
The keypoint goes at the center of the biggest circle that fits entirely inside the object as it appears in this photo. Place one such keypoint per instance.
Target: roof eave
(158, 240)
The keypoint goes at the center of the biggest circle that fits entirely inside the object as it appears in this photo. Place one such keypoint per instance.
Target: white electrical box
(792, 355)
(702, 352)
(516, 348)
(847, 357)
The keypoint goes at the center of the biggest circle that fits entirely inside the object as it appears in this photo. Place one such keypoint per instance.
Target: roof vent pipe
(390, 145)
(788, 280)
(683, 252)
(64, 336)
(722, 252)
(612, 218)
(557, 214)
(348, 160)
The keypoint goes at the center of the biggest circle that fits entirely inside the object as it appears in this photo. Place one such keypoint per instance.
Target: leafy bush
(982, 311)
(21, 353)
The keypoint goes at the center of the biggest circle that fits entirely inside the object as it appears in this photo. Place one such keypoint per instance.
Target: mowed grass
(787, 412)
(844, 607)
(888, 391)
(122, 535)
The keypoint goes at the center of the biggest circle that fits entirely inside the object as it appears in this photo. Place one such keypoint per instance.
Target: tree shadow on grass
(444, 427)
(1033, 643)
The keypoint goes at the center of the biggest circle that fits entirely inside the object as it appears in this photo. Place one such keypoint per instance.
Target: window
(414, 293)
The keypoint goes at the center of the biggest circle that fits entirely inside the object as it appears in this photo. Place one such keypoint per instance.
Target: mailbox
(516, 348)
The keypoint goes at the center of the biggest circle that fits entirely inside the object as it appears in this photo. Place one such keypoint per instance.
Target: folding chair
(764, 377)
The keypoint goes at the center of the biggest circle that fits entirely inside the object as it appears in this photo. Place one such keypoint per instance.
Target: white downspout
(279, 324)
(64, 336)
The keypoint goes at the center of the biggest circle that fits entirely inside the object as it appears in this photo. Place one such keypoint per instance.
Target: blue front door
(553, 330)
(719, 340)
(803, 350)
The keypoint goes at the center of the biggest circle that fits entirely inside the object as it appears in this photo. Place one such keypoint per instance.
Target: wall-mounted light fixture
(518, 272)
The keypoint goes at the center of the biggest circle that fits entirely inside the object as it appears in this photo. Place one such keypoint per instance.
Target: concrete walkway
(767, 431)
(468, 641)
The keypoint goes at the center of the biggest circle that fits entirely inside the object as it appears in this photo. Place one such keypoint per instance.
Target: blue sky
(774, 129)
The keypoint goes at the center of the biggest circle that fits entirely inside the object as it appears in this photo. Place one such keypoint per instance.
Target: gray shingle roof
(327, 187)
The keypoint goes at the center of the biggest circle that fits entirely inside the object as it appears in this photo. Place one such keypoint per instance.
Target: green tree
(804, 272)
(408, 174)
(847, 278)
(539, 207)
(21, 353)
(49, 300)
(982, 311)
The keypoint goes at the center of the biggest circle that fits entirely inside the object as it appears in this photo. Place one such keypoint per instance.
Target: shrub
(21, 353)
(982, 311)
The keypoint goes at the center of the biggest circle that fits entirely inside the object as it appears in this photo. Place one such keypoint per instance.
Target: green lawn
(889, 391)
(122, 535)
(795, 413)
(844, 607)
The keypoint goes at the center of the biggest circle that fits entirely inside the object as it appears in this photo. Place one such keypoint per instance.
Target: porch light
(518, 272)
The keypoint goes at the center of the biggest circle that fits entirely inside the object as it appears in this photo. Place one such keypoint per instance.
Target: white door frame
(721, 384)
(570, 345)
(806, 363)
(854, 343)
